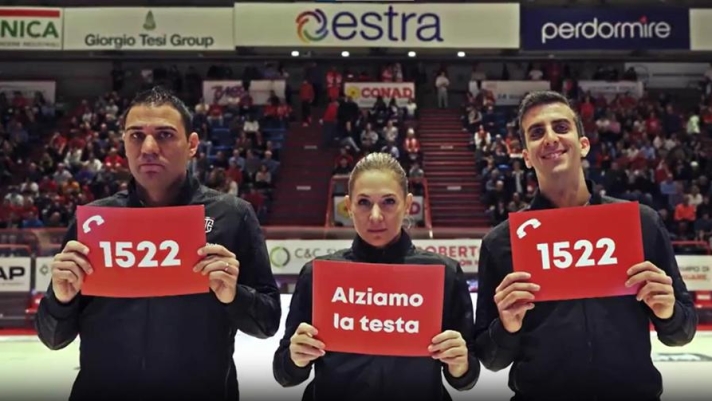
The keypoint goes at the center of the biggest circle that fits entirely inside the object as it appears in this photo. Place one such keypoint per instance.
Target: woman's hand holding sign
(514, 297)
(657, 292)
(451, 349)
(69, 268)
(303, 347)
(223, 269)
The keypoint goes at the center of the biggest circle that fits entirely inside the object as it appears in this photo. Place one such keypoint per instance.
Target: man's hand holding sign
(69, 268)
(657, 291)
(222, 270)
(556, 260)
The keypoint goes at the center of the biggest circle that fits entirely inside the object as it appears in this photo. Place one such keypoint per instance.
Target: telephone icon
(97, 220)
(534, 223)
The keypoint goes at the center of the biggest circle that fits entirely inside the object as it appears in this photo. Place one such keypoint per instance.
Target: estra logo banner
(663, 28)
(461, 26)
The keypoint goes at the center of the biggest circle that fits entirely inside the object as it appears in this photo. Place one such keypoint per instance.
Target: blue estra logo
(388, 26)
(596, 30)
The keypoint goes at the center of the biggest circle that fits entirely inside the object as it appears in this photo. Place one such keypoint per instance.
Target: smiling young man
(165, 348)
(588, 349)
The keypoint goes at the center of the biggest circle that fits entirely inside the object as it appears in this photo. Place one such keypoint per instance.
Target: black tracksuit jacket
(350, 377)
(169, 348)
(589, 349)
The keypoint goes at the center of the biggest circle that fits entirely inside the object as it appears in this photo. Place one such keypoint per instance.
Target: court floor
(29, 370)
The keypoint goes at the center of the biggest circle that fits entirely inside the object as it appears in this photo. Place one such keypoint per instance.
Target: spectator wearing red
(257, 200)
(387, 74)
(306, 95)
(652, 124)
(344, 155)
(234, 172)
(587, 109)
(114, 159)
(554, 73)
(411, 145)
(215, 113)
(685, 211)
(329, 121)
(334, 79)
(283, 111)
(19, 101)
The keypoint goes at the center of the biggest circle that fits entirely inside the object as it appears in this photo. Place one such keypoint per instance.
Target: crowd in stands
(649, 149)
(386, 126)
(82, 157)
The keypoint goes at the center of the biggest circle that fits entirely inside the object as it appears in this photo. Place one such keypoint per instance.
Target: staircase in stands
(455, 189)
(301, 196)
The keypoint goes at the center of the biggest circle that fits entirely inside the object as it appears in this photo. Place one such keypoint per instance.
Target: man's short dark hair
(540, 98)
(159, 96)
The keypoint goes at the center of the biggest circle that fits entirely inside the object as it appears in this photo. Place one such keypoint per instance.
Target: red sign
(578, 252)
(142, 252)
(377, 309)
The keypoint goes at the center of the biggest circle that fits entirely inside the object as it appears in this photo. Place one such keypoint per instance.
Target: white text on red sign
(560, 255)
(122, 253)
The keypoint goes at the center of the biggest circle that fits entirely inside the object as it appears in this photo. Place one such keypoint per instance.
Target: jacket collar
(188, 189)
(392, 253)
(542, 202)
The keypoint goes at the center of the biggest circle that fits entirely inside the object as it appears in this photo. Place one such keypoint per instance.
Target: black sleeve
(464, 323)
(57, 324)
(257, 309)
(494, 345)
(284, 370)
(679, 329)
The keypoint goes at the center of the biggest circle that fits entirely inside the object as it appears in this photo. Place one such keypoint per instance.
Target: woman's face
(377, 207)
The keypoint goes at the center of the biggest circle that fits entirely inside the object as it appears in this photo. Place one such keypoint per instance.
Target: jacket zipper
(589, 345)
(145, 337)
(229, 367)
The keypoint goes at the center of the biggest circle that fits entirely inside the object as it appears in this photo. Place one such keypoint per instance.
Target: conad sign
(366, 93)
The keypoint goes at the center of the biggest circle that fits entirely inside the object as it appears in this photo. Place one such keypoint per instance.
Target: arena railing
(43, 240)
(701, 245)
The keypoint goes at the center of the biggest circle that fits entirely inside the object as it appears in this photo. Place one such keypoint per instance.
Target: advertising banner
(366, 93)
(29, 88)
(43, 273)
(31, 28)
(653, 28)
(461, 26)
(289, 256)
(137, 28)
(15, 274)
(611, 89)
(701, 29)
(510, 93)
(696, 270)
(670, 75)
(260, 91)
